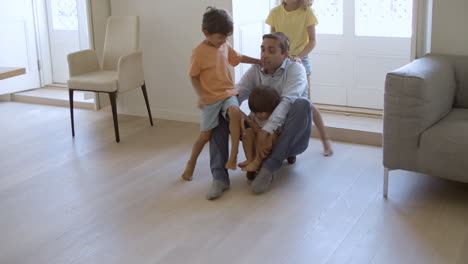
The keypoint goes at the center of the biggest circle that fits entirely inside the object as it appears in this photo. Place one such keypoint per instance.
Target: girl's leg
(202, 139)
(248, 141)
(318, 121)
(234, 127)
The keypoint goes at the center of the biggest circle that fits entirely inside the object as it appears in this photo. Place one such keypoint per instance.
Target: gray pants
(293, 140)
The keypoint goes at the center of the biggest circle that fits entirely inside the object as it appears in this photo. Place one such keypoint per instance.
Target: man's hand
(264, 143)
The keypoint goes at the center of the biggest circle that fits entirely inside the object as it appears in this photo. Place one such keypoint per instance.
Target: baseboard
(352, 136)
(176, 115)
(50, 101)
(349, 135)
(349, 110)
(5, 98)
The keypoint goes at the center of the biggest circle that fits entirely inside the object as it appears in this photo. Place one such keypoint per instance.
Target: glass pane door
(330, 15)
(384, 18)
(358, 42)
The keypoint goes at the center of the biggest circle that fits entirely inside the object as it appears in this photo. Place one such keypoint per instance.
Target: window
(330, 16)
(383, 18)
(64, 15)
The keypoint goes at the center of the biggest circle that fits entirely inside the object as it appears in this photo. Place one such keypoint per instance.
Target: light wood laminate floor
(91, 200)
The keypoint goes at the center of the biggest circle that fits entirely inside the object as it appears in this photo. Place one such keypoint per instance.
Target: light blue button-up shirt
(290, 81)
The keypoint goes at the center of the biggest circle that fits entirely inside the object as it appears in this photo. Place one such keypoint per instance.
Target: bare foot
(188, 172)
(253, 166)
(327, 149)
(244, 163)
(231, 164)
(328, 152)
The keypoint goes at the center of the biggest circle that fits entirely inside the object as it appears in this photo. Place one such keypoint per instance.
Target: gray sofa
(426, 118)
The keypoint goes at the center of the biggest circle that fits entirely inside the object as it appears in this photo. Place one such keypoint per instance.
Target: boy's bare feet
(231, 164)
(188, 172)
(244, 163)
(327, 149)
(253, 166)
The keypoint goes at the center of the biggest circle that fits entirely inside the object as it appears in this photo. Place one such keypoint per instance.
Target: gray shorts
(210, 113)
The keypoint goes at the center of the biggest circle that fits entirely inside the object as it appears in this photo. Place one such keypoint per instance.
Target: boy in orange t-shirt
(212, 80)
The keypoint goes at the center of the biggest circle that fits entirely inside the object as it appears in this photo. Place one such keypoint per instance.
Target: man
(293, 114)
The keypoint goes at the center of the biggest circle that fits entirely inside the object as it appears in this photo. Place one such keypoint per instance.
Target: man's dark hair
(217, 20)
(282, 38)
(263, 99)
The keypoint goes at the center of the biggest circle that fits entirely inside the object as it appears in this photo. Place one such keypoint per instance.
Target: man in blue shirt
(293, 114)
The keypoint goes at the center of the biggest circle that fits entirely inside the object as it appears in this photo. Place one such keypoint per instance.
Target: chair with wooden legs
(122, 68)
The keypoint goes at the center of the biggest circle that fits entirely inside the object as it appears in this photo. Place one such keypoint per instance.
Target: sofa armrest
(82, 62)
(417, 96)
(130, 71)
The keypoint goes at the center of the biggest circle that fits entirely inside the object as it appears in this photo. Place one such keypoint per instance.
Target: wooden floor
(91, 200)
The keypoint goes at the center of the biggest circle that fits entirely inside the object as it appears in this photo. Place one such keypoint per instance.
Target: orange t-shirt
(211, 65)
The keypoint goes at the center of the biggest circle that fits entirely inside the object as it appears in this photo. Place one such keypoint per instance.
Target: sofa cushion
(443, 148)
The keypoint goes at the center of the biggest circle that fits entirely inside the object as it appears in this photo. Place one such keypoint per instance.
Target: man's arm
(248, 82)
(293, 88)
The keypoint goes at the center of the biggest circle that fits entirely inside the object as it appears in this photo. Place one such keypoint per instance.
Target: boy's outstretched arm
(250, 60)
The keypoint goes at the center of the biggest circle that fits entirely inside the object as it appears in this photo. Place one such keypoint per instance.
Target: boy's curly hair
(216, 20)
(263, 99)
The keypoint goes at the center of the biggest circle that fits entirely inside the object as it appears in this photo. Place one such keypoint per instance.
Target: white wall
(450, 27)
(423, 27)
(170, 29)
(100, 11)
(169, 32)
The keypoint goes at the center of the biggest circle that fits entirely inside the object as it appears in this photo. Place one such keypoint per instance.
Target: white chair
(122, 68)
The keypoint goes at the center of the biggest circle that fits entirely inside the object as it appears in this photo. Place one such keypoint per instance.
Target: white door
(358, 42)
(249, 27)
(68, 32)
(18, 45)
